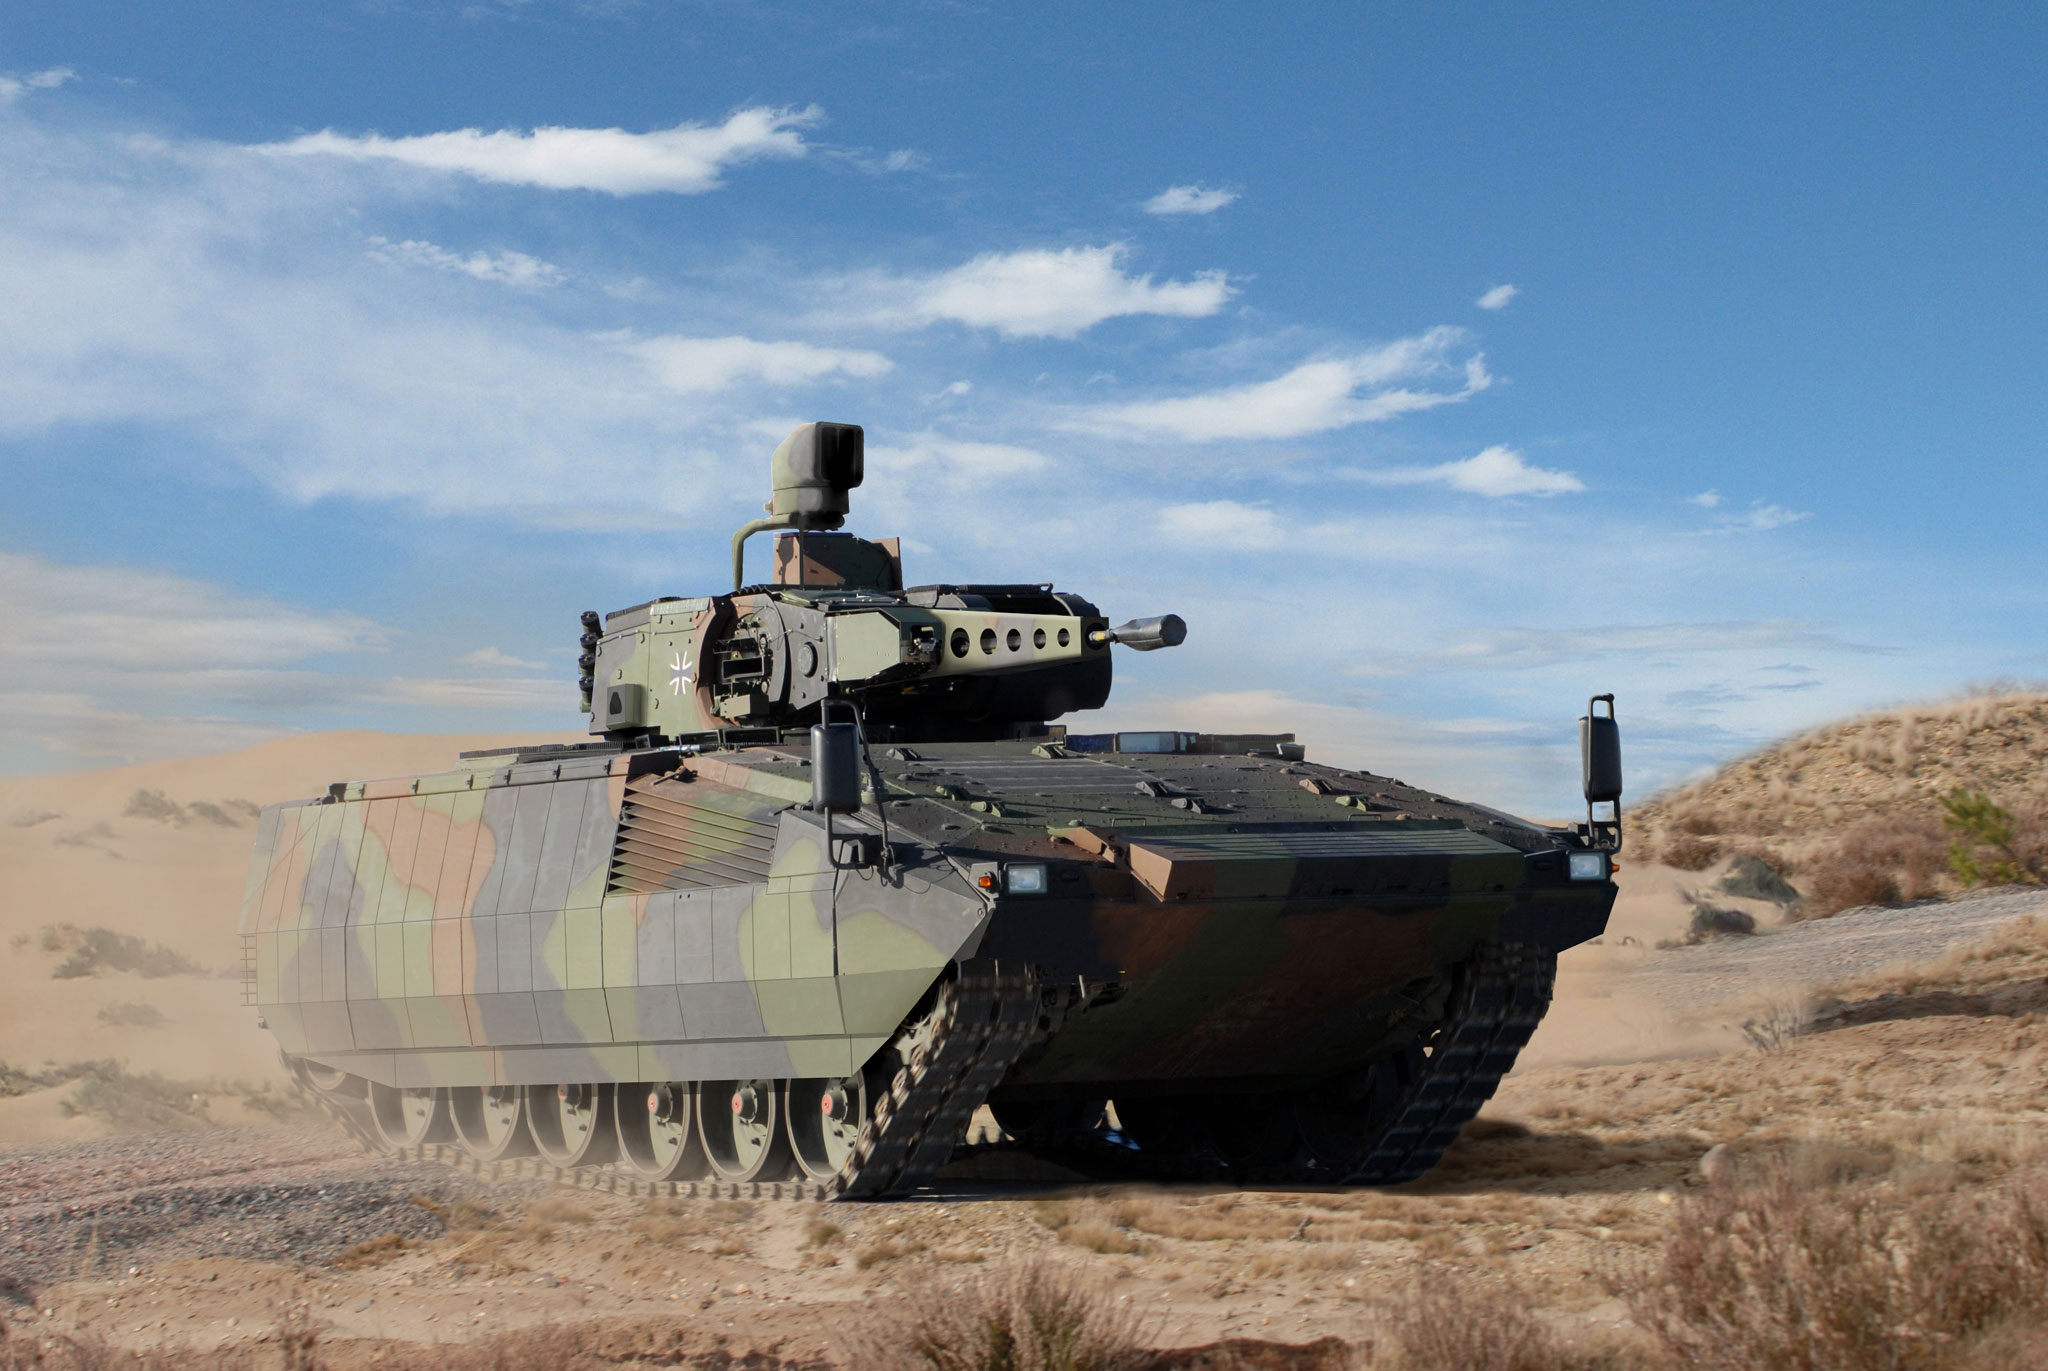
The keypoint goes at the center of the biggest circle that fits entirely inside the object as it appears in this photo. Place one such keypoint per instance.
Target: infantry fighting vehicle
(830, 877)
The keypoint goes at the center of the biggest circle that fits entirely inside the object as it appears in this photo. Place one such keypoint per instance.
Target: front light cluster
(1024, 878)
(1587, 866)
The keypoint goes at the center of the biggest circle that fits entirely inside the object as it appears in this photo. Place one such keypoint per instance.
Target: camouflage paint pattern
(477, 927)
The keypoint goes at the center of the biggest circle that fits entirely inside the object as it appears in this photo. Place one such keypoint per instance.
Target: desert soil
(210, 1232)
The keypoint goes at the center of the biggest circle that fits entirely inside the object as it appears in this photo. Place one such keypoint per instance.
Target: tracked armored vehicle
(831, 876)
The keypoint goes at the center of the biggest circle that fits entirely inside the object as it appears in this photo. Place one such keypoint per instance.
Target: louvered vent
(674, 835)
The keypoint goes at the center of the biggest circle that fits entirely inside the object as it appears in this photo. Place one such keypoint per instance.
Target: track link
(1416, 1100)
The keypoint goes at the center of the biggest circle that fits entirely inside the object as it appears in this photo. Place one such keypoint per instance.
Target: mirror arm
(739, 542)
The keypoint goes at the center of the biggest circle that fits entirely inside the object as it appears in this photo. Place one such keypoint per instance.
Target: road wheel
(410, 1117)
(739, 1122)
(825, 1116)
(572, 1124)
(657, 1141)
(490, 1121)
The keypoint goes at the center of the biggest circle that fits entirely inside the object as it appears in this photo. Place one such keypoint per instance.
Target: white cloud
(1498, 297)
(507, 268)
(958, 458)
(494, 659)
(12, 88)
(1190, 200)
(1043, 293)
(1495, 472)
(58, 619)
(683, 160)
(1761, 517)
(1314, 397)
(1222, 524)
(694, 365)
(1706, 499)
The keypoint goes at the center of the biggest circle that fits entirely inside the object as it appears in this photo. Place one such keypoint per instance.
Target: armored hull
(711, 949)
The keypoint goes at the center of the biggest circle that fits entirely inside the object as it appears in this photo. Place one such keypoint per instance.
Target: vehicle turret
(834, 622)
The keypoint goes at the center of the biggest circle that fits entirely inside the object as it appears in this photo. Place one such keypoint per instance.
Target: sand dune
(157, 851)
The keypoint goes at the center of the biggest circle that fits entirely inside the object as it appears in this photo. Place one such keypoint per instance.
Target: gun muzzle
(1145, 635)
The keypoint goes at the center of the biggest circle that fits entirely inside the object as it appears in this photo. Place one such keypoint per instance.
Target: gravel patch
(96, 1208)
(1797, 957)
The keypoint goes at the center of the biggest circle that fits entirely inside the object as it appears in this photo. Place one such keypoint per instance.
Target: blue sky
(1441, 365)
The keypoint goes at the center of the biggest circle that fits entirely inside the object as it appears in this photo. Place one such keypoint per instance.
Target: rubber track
(988, 1014)
(1500, 996)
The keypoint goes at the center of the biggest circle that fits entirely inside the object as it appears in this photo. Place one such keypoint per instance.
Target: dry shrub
(1689, 852)
(1449, 1323)
(1034, 1319)
(1697, 822)
(372, 1252)
(887, 1249)
(1786, 1276)
(1879, 861)
(1099, 1237)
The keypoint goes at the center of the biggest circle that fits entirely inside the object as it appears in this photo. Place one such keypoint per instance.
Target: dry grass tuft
(1879, 861)
(1786, 1276)
(1034, 1319)
(373, 1252)
(1449, 1323)
(1688, 851)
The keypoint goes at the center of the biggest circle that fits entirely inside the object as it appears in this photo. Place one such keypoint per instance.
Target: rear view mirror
(835, 768)
(1600, 752)
(1600, 763)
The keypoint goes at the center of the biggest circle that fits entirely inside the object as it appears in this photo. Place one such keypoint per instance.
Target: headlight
(1024, 880)
(1587, 866)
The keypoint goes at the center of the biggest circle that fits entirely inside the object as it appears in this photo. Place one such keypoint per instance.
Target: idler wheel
(825, 1117)
(490, 1121)
(412, 1116)
(739, 1122)
(656, 1139)
(572, 1124)
(328, 1082)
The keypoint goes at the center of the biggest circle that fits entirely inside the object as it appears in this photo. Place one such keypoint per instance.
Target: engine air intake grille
(676, 835)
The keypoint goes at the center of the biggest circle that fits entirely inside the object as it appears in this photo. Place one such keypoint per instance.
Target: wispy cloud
(1038, 293)
(507, 267)
(928, 454)
(14, 86)
(1498, 297)
(684, 160)
(1314, 397)
(496, 659)
(1494, 472)
(69, 619)
(1190, 200)
(1706, 499)
(1222, 524)
(709, 364)
(1760, 517)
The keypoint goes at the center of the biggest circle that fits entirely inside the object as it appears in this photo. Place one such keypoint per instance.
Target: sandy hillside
(1798, 798)
(159, 852)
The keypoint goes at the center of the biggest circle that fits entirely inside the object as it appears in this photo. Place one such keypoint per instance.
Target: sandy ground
(211, 1235)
